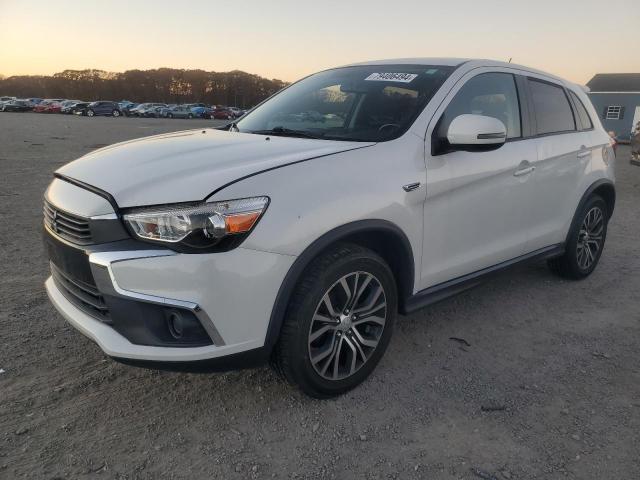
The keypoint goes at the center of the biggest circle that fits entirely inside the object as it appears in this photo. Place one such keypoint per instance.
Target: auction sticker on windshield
(391, 77)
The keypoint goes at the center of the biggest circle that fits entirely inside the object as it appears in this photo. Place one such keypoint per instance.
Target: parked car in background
(156, 112)
(200, 110)
(48, 105)
(79, 108)
(635, 144)
(67, 105)
(103, 108)
(144, 109)
(125, 104)
(126, 109)
(237, 112)
(179, 111)
(6, 99)
(614, 140)
(18, 105)
(135, 110)
(34, 100)
(152, 111)
(54, 107)
(223, 113)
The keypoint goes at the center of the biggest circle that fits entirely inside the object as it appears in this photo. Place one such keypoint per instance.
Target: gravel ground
(555, 363)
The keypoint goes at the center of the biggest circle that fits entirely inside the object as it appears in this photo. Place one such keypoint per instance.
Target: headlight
(202, 226)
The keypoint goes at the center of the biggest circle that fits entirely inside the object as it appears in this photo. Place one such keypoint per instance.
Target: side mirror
(476, 131)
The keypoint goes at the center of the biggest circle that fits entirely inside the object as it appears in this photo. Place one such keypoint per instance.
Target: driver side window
(490, 94)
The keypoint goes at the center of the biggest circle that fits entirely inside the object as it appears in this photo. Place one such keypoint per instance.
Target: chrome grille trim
(71, 227)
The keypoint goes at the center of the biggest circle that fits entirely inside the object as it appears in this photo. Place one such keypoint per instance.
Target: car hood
(188, 166)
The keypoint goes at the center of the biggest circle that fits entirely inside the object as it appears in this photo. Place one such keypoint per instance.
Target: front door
(477, 202)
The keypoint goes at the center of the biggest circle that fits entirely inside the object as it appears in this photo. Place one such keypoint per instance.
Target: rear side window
(552, 108)
(491, 94)
(583, 115)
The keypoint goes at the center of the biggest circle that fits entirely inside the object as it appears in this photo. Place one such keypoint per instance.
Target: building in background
(616, 98)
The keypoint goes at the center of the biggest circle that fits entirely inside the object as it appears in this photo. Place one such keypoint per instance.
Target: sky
(288, 39)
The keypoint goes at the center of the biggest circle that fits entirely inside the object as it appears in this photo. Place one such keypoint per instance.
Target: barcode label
(391, 77)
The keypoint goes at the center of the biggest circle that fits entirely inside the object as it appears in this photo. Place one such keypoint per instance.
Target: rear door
(563, 158)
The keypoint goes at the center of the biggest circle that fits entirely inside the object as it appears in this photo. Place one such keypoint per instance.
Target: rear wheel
(116, 113)
(338, 323)
(190, 116)
(90, 113)
(585, 241)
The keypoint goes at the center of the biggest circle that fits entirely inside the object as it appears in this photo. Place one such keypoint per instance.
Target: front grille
(82, 294)
(68, 226)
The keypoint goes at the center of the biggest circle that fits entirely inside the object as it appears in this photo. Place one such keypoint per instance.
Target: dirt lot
(558, 360)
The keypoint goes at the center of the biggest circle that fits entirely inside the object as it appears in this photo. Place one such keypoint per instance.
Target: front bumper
(231, 293)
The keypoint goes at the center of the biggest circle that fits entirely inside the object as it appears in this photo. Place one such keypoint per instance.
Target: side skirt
(447, 289)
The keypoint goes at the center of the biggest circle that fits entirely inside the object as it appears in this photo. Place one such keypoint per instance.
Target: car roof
(454, 62)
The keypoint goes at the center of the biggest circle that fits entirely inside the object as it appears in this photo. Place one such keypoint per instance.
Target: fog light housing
(175, 325)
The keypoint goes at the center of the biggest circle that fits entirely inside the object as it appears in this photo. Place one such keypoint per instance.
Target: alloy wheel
(347, 325)
(590, 238)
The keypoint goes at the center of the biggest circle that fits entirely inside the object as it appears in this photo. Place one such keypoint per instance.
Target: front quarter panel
(313, 197)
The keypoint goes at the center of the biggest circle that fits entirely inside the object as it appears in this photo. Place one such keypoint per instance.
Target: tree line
(167, 85)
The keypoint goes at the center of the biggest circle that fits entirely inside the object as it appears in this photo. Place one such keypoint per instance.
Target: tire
(585, 241)
(169, 115)
(90, 113)
(190, 116)
(116, 113)
(325, 354)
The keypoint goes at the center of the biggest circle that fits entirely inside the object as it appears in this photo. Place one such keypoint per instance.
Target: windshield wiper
(287, 132)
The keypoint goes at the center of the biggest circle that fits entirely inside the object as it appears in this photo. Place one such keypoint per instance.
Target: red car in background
(50, 105)
(222, 113)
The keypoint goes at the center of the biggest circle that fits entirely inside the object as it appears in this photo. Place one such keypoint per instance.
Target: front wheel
(338, 323)
(116, 113)
(90, 113)
(585, 241)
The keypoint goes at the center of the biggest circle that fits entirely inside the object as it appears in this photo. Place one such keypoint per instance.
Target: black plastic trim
(293, 275)
(444, 290)
(235, 361)
(106, 195)
(592, 188)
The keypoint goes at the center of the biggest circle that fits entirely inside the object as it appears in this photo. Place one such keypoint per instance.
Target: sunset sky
(287, 39)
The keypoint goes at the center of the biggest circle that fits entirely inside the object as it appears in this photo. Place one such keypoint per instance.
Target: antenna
(510, 58)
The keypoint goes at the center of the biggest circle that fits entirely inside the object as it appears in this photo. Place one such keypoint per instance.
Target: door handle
(524, 171)
(410, 186)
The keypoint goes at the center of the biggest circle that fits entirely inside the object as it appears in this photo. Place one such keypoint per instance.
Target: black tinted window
(552, 109)
(585, 120)
(490, 94)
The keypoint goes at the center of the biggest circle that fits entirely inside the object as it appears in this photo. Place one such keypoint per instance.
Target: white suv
(298, 233)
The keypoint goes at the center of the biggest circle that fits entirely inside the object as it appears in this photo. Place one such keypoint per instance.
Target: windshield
(369, 103)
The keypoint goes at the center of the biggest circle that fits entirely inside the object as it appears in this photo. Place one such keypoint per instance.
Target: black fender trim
(592, 188)
(344, 231)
